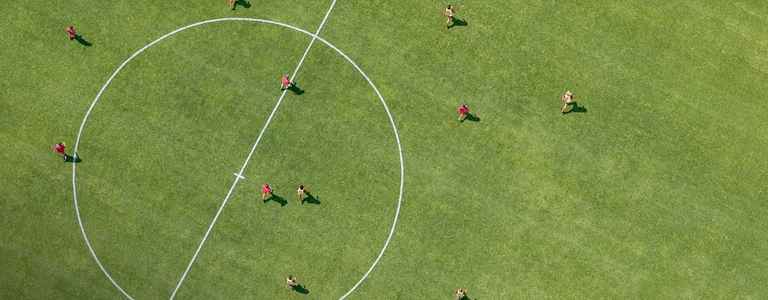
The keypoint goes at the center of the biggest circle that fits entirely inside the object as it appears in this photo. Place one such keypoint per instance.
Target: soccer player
(60, 149)
(449, 13)
(463, 112)
(232, 4)
(300, 193)
(71, 32)
(285, 82)
(266, 190)
(291, 282)
(460, 294)
(567, 98)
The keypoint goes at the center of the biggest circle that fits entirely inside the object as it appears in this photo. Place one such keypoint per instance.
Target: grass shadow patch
(458, 23)
(82, 41)
(311, 199)
(576, 108)
(300, 289)
(73, 159)
(277, 199)
(296, 89)
(243, 3)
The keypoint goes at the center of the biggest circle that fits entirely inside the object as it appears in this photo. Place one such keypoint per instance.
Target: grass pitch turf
(656, 191)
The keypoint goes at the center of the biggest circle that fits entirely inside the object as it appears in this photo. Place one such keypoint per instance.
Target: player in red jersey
(285, 82)
(463, 112)
(61, 149)
(266, 190)
(71, 32)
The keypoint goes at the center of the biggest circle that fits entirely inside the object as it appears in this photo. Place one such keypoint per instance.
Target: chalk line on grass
(253, 150)
(314, 37)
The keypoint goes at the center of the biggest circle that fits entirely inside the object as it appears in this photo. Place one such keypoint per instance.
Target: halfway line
(248, 159)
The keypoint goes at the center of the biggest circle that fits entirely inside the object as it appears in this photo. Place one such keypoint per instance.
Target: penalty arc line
(250, 155)
(84, 234)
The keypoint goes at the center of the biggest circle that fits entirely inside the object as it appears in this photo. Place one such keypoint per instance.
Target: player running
(291, 282)
(61, 149)
(71, 32)
(266, 190)
(460, 294)
(300, 193)
(285, 82)
(463, 112)
(567, 99)
(449, 13)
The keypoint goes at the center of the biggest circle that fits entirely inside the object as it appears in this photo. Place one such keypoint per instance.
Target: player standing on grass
(460, 294)
(291, 282)
(567, 99)
(300, 193)
(266, 190)
(232, 4)
(61, 149)
(285, 82)
(449, 14)
(71, 32)
(463, 112)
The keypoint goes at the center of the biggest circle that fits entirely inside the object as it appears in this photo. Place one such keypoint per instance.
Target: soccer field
(652, 188)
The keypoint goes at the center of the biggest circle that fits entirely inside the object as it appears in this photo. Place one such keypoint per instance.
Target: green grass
(656, 191)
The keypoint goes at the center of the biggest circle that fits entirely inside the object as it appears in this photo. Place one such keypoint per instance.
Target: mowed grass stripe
(188, 157)
(534, 145)
(656, 191)
(335, 138)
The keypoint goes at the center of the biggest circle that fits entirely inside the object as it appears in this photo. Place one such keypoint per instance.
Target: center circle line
(263, 21)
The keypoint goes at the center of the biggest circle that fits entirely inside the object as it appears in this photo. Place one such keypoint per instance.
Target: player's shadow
(311, 199)
(277, 199)
(243, 3)
(458, 23)
(472, 118)
(82, 41)
(576, 108)
(295, 89)
(73, 159)
(300, 289)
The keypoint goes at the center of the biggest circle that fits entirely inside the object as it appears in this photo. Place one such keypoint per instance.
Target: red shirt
(266, 189)
(286, 81)
(71, 31)
(463, 109)
(59, 148)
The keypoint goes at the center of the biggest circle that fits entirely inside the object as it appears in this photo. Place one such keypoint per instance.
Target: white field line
(253, 150)
(122, 65)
